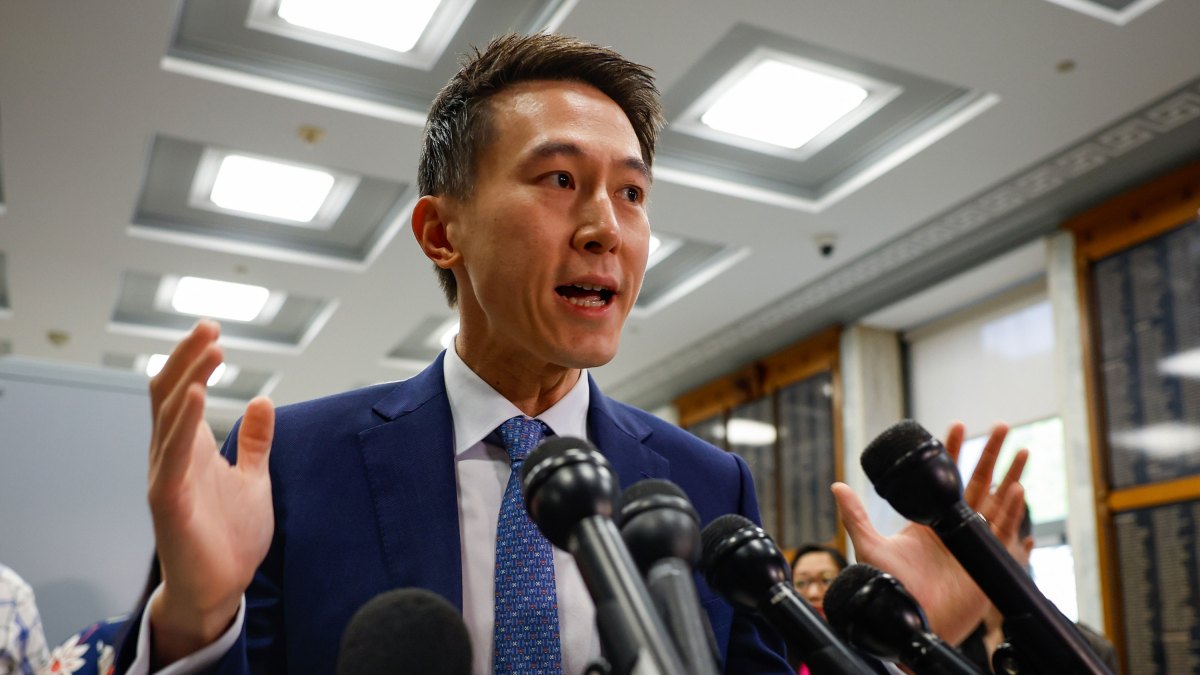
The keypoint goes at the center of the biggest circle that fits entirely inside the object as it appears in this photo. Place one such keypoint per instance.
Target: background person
(22, 644)
(92, 651)
(814, 567)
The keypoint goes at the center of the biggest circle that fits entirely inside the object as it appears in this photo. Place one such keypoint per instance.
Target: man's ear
(430, 219)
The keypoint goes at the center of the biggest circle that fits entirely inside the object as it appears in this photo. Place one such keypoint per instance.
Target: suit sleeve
(754, 646)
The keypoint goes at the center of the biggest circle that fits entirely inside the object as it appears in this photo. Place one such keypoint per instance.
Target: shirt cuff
(195, 662)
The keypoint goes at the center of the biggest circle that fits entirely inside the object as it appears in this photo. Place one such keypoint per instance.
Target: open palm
(953, 602)
(213, 521)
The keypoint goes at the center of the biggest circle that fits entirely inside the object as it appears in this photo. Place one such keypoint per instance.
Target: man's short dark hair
(838, 558)
(459, 122)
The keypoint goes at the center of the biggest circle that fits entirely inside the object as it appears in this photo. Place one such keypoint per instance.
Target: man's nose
(598, 231)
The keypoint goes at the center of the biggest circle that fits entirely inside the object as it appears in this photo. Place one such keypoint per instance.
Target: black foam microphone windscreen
(572, 494)
(874, 612)
(658, 521)
(743, 564)
(662, 531)
(405, 630)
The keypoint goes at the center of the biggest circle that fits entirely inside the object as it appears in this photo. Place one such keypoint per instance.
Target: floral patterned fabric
(92, 651)
(22, 644)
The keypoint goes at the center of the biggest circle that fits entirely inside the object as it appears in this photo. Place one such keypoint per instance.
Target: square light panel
(216, 299)
(391, 25)
(783, 104)
(152, 365)
(411, 33)
(164, 307)
(269, 189)
(265, 188)
(238, 202)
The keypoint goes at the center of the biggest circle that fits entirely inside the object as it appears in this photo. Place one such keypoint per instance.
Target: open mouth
(586, 295)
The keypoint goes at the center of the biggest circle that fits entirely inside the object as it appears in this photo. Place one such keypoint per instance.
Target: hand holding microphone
(914, 473)
(952, 600)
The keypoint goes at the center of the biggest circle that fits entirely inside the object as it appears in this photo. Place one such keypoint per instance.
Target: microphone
(571, 492)
(743, 564)
(913, 472)
(405, 630)
(874, 612)
(662, 531)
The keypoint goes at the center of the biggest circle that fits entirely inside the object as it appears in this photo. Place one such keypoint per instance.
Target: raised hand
(952, 601)
(212, 520)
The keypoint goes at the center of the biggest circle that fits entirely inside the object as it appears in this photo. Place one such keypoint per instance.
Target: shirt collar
(477, 409)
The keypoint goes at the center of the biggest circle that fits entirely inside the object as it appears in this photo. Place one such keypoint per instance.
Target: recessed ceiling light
(155, 363)
(219, 299)
(783, 104)
(272, 189)
(387, 24)
(408, 33)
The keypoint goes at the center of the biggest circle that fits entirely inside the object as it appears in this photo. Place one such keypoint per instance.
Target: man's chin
(583, 357)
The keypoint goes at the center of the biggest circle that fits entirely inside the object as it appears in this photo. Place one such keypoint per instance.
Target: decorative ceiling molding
(906, 113)
(1118, 12)
(989, 207)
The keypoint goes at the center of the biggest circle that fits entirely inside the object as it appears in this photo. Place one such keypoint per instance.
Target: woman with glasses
(814, 567)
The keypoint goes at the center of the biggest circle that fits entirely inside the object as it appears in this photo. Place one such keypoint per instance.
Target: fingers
(204, 333)
(171, 463)
(1006, 522)
(1005, 507)
(854, 516)
(198, 370)
(1015, 470)
(179, 417)
(978, 487)
(255, 434)
(954, 439)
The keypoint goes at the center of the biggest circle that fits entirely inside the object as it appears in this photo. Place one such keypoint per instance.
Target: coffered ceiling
(994, 121)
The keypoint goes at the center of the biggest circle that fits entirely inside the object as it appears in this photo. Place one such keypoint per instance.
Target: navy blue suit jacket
(365, 501)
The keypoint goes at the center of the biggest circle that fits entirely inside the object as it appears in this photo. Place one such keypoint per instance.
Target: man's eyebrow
(567, 149)
(639, 166)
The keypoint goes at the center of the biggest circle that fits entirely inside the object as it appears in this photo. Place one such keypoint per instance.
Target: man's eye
(562, 180)
(633, 194)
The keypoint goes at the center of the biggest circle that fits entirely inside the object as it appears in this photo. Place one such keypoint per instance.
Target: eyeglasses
(803, 583)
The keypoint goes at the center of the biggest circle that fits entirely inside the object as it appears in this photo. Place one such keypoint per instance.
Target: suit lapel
(409, 461)
(621, 438)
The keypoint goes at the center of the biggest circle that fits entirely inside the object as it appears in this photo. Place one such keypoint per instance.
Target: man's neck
(532, 389)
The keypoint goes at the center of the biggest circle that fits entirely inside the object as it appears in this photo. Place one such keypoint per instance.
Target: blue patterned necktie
(526, 635)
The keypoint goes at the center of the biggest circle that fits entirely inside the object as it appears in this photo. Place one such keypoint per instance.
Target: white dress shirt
(482, 471)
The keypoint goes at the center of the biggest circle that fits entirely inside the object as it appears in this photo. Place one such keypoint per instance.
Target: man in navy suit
(534, 178)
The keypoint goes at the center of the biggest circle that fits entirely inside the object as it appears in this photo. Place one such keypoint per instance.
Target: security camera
(825, 242)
